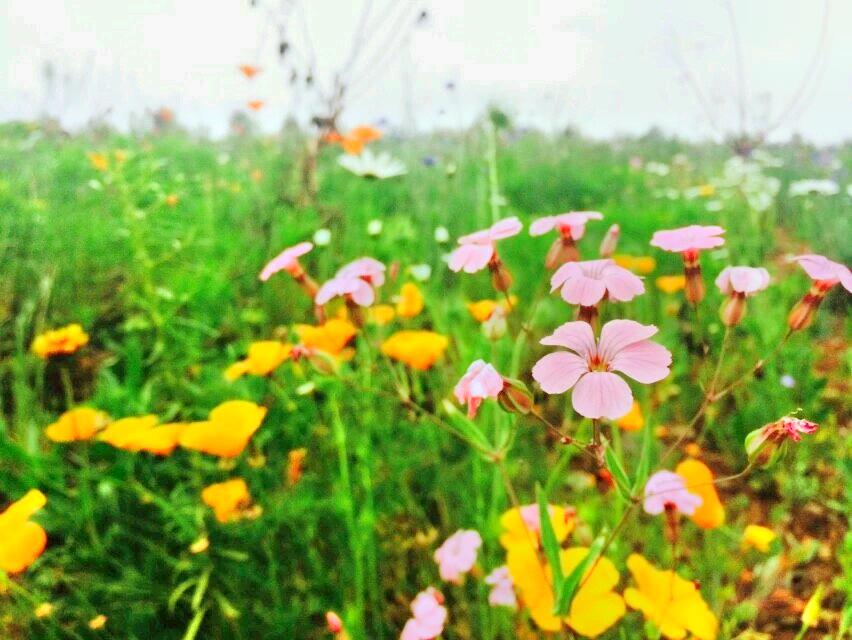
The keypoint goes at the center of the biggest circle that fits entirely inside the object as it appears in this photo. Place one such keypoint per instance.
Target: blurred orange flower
(77, 424)
(263, 358)
(21, 541)
(255, 105)
(671, 284)
(330, 337)
(63, 341)
(295, 464)
(99, 161)
(143, 434)
(418, 349)
(355, 140)
(699, 480)
(642, 265)
(226, 431)
(381, 314)
(481, 310)
(249, 70)
(228, 499)
(633, 420)
(410, 302)
(172, 200)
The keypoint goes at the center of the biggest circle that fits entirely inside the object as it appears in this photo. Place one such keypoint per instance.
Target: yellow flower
(671, 284)
(226, 431)
(120, 155)
(43, 610)
(330, 337)
(200, 546)
(295, 464)
(229, 500)
(642, 265)
(418, 349)
(98, 622)
(410, 302)
(706, 190)
(63, 341)
(77, 424)
(21, 541)
(813, 609)
(672, 604)
(481, 310)
(633, 420)
(699, 480)
(256, 175)
(262, 359)
(99, 161)
(757, 537)
(519, 526)
(595, 607)
(381, 314)
(172, 200)
(143, 434)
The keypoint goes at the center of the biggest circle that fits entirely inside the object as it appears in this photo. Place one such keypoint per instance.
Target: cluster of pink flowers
(428, 616)
(457, 555)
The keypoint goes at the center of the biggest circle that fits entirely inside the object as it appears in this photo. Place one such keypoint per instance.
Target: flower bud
(515, 397)
(694, 288)
(588, 314)
(610, 241)
(761, 449)
(561, 251)
(322, 362)
(733, 309)
(501, 278)
(803, 313)
(495, 326)
(333, 621)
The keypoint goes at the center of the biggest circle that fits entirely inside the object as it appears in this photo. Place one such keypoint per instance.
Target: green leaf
(644, 467)
(570, 584)
(548, 539)
(622, 482)
(195, 625)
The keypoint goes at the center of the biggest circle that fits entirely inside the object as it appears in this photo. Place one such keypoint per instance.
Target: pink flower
(477, 249)
(822, 269)
(429, 616)
(287, 260)
(479, 382)
(356, 288)
(666, 488)
(502, 589)
(570, 225)
(692, 238)
(457, 555)
(745, 280)
(598, 392)
(368, 269)
(333, 622)
(792, 428)
(586, 283)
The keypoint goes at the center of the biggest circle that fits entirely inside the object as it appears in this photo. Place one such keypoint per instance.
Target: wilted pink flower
(458, 554)
(479, 382)
(287, 260)
(668, 489)
(572, 224)
(429, 616)
(762, 444)
(692, 238)
(502, 588)
(821, 269)
(793, 428)
(477, 249)
(598, 392)
(586, 283)
(745, 280)
(368, 269)
(353, 288)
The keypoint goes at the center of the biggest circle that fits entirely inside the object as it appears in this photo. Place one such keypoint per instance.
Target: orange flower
(642, 265)
(671, 284)
(295, 464)
(354, 142)
(633, 420)
(77, 424)
(410, 302)
(21, 541)
(365, 133)
(172, 200)
(143, 434)
(99, 161)
(255, 105)
(249, 70)
(330, 337)
(418, 349)
(63, 341)
(226, 431)
(381, 314)
(481, 310)
(229, 500)
(256, 175)
(263, 358)
(699, 480)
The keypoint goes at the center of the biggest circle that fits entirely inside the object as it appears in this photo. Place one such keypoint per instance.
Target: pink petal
(621, 284)
(618, 334)
(506, 228)
(362, 293)
(576, 335)
(542, 226)
(563, 273)
(583, 290)
(477, 237)
(600, 394)
(558, 372)
(749, 279)
(470, 258)
(285, 259)
(821, 268)
(644, 361)
(327, 291)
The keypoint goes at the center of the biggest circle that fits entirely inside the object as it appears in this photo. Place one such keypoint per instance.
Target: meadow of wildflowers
(492, 385)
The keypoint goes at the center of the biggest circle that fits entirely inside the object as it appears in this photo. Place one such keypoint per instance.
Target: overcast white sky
(606, 67)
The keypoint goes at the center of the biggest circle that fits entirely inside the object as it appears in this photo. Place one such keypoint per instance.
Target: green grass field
(157, 257)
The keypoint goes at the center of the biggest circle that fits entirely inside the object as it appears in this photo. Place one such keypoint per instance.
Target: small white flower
(374, 227)
(322, 237)
(815, 187)
(788, 381)
(657, 168)
(373, 167)
(713, 205)
(441, 235)
(420, 272)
